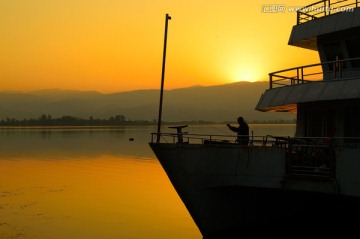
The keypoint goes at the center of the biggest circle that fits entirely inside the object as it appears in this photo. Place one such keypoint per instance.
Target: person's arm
(232, 128)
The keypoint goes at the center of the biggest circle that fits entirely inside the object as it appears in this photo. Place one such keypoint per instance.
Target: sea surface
(92, 183)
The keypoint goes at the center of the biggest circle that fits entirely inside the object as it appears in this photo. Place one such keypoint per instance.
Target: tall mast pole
(167, 18)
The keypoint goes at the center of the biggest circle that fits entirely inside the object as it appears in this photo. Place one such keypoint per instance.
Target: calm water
(58, 183)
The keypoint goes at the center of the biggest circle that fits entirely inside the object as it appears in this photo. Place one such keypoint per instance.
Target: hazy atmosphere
(211, 103)
(114, 46)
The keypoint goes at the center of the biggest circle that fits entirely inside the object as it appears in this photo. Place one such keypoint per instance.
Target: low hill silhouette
(210, 103)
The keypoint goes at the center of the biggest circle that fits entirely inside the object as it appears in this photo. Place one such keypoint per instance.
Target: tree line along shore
(117, 120)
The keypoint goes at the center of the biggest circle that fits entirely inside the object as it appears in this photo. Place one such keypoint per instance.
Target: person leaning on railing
(242, 131)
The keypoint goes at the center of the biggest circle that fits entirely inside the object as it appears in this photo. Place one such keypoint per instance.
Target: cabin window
(353, 48)
(320, 123)
(313, 125)
(351, 125)
(333, 52)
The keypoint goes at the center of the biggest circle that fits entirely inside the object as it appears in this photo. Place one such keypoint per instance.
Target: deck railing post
(328, 9)
(297, 75)
(298, 17)
(337, 67)
(270, 75)
(340, 69)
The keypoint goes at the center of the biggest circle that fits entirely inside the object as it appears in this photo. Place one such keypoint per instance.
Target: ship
(304, 184)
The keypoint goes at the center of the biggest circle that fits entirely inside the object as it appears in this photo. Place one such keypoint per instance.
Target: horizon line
(125, 91)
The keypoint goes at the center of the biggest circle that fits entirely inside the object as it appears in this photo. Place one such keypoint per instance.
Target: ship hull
(244, 192)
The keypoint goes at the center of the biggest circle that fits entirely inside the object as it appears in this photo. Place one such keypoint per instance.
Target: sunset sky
(117, 45)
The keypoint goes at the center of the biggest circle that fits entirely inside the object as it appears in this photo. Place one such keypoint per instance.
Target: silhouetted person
(242, 131)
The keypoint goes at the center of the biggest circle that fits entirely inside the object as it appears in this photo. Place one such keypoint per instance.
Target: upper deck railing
(340, 69)
(325, 8)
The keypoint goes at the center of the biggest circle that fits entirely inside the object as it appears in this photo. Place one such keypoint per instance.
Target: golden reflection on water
(92, 183)
(100, 197)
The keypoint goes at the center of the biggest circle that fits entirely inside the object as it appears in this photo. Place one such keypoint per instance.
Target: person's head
(240, 120)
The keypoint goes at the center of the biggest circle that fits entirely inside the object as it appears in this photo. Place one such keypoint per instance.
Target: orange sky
(116, 45)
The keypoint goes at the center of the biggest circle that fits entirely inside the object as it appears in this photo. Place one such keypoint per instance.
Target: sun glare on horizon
(245, 62)
(247, 74)
(245, 71)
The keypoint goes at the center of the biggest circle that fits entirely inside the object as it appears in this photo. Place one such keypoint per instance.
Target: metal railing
(314, 72)
(324, 8)
(186, 138)
(287, 142)
(310, 157)
(315, 157)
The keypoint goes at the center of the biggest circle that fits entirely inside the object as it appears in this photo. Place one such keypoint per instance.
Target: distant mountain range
(211, 103)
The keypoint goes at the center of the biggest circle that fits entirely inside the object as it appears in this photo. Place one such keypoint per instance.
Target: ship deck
(306, 157)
